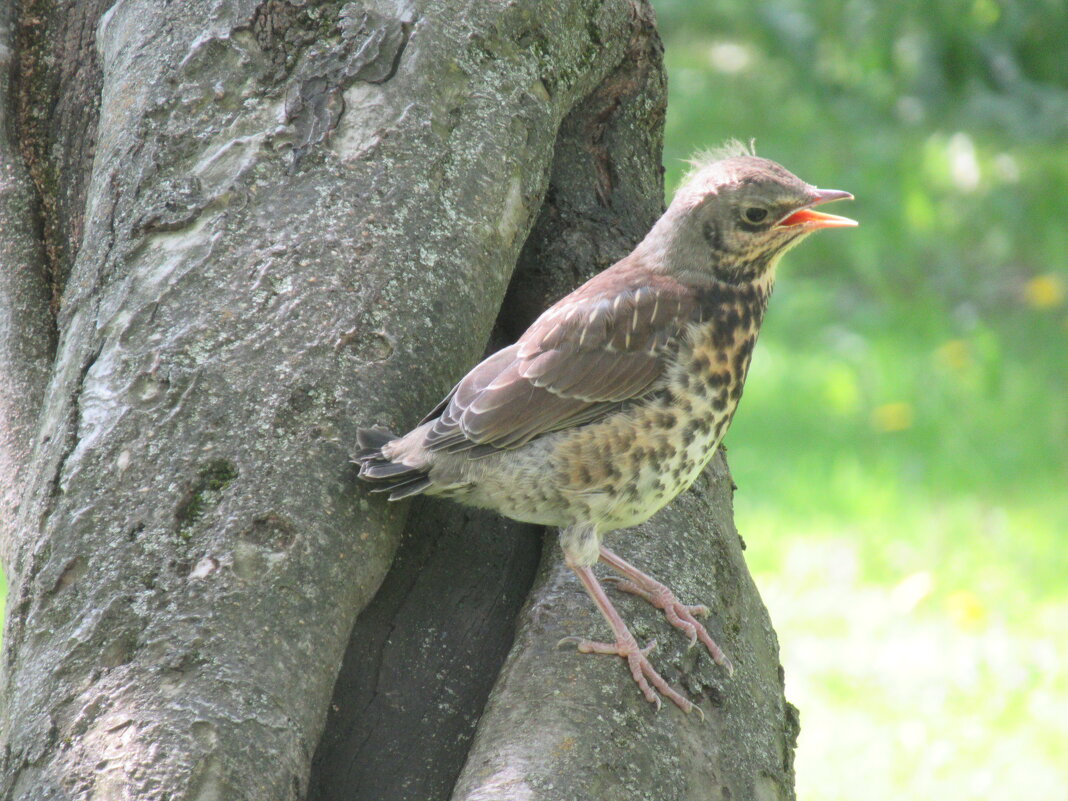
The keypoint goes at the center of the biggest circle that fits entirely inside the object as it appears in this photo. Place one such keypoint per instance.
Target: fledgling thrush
(617, 397)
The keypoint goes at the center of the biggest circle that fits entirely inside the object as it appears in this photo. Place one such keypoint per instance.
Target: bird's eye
(755, 214)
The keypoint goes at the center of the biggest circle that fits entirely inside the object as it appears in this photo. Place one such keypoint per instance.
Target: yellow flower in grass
(965, 609)
(954, 354)
(892, 416)
(1044, 291)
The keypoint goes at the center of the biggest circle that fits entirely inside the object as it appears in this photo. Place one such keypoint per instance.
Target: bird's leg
(678, 614)
(626, 646)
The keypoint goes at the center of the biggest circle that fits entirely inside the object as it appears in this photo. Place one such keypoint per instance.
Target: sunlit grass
(904, 694)
(886, 426)
(902, 447)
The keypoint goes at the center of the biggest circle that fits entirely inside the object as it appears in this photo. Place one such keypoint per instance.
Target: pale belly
(625, 469)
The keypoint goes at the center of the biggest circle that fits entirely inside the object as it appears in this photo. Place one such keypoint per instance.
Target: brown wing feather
(603, 344)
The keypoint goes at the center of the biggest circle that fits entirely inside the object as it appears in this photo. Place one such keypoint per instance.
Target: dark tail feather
(413, 486)
(371, 441)
(399, 480)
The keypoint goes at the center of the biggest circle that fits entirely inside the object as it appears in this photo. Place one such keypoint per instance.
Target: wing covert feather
(595, 349)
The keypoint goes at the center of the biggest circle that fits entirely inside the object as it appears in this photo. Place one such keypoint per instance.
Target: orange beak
(818, 219)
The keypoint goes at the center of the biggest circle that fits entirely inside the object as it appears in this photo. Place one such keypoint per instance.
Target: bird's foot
(678, 614)
(641, 669)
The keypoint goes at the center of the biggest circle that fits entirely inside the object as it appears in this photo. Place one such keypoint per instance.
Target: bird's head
(734, 215)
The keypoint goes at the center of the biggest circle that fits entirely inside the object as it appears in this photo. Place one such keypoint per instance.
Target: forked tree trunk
(231, 233)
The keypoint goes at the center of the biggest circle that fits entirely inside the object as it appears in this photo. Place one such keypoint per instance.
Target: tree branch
(27, 334)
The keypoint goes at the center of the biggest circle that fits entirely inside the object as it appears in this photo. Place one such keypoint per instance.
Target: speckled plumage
(616, 398)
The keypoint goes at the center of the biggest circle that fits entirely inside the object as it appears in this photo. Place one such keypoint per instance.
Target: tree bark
(27, 334)
(233, 232)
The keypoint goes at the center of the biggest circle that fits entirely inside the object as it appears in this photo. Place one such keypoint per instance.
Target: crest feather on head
(729, 149)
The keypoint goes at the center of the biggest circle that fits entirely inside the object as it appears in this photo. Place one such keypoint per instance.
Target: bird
(616, 398)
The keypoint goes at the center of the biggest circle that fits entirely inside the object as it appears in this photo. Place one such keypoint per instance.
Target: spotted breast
(625, 467)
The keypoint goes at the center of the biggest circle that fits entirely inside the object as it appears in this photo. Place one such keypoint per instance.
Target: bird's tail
(398, 479)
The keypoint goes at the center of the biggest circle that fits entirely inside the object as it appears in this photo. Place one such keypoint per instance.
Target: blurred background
(902, 449)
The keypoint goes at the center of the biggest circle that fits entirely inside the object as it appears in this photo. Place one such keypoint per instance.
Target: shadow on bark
(424, 656)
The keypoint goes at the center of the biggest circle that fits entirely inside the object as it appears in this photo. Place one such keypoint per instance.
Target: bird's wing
(593, 350)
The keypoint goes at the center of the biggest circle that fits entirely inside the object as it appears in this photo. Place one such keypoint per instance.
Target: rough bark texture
(27, 334)
(233, 231)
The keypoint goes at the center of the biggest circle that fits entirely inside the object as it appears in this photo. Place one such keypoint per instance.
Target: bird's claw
(641, 669)
(678, 614)
(615, 649)
(699, 610)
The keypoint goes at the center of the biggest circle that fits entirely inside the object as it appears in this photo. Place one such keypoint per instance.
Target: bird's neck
(675, 247)
(725, 306)
(667, 250)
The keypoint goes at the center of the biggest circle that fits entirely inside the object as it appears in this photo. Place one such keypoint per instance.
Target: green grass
(902, 448)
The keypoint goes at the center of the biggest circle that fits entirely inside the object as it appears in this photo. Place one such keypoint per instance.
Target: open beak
(817, 219)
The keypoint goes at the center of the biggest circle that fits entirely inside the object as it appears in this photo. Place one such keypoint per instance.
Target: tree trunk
(232, 232)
